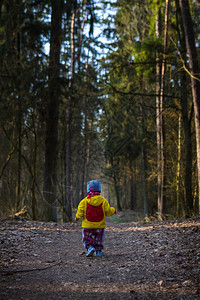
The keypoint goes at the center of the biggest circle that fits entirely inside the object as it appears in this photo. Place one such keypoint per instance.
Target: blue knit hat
(95, 185)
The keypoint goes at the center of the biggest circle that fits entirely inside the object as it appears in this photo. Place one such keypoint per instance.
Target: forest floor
(157, 260)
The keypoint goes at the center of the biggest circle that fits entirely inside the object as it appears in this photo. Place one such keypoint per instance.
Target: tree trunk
(133, 186)
(162, 204)
(144, 165)
(68, 200)
(188, 158)
(34, 174)
(86, 136)
(178, 168)
(19, 167)
(132, 194)
(194, 71)
(51, 142)
(19, 111)
(186, 204)
(117, 192)
(158, 113)
(188, 137)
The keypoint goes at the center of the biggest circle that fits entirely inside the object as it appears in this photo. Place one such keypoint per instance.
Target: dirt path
(152, 261)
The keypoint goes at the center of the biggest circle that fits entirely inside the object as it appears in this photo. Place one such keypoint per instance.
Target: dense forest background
(105, 90)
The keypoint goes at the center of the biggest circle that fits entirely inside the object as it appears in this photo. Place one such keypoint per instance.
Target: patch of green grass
(126, 216)
(115, 219)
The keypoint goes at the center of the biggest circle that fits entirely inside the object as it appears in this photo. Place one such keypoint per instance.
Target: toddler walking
(93, 209)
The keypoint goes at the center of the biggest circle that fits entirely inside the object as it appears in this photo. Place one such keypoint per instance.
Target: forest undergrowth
(155, 260)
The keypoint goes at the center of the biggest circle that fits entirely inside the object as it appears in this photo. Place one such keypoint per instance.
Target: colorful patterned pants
(93, 237)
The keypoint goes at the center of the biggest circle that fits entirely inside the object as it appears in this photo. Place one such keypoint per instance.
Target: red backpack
(94, 213)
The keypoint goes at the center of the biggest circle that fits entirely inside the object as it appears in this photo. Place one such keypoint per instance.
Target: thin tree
(158, 113)
(144, 163)
(161, 203)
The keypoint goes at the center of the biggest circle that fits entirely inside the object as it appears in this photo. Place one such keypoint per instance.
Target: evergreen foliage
(105, 97)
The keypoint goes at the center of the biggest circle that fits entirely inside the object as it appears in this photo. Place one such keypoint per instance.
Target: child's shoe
(90, 251)
(99, 253)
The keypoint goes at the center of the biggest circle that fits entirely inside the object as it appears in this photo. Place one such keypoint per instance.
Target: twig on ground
(10, 272)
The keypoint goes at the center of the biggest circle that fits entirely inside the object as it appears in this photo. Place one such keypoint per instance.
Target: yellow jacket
(93, 211)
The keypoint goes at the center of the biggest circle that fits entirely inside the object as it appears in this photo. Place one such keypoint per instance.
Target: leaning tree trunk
(51, 142)
(194, 72)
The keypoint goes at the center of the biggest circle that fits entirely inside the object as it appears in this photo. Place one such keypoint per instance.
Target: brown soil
(159, 260)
